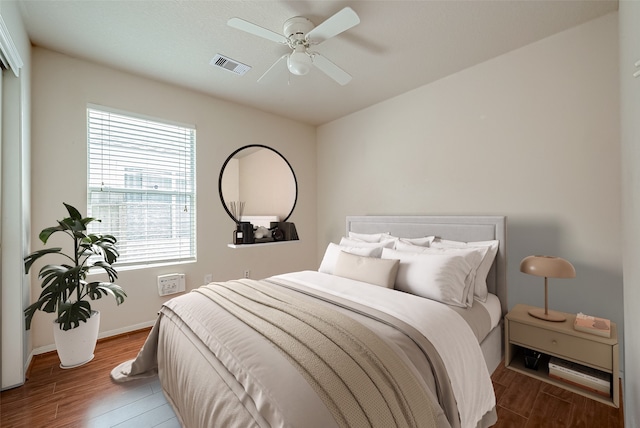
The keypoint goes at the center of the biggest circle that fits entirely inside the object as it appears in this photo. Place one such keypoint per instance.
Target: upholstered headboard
(458, 228)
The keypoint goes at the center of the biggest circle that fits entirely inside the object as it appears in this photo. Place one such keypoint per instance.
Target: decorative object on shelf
(261, 233)
(547, 267)
(243, 233)
(66, 292)
(593, 325)
(247, 232)
(238, 236)
(284, 231)
(237, 208)
(532, 359)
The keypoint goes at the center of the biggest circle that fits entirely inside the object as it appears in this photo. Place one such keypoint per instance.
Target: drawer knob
(554, 342)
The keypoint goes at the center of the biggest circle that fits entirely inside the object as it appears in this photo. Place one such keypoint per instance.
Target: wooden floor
(525, 402)
(86, 397)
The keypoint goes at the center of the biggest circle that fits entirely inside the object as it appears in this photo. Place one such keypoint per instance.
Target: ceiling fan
(299, 34)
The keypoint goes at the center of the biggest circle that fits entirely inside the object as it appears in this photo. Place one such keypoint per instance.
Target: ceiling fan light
(299, 63)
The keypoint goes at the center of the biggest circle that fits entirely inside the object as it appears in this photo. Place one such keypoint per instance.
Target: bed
(340, 347)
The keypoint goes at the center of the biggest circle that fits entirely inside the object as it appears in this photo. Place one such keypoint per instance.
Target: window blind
(141, 184)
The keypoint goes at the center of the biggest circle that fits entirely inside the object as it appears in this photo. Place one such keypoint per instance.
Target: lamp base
(549, 316)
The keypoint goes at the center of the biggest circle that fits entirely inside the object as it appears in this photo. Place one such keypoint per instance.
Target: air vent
(229, 64)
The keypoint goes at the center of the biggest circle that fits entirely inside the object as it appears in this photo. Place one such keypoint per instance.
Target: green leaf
(71, 315)
(98, 289)
(108, 246)
(73, 213)
(31, 258)
(30, 312)
(55, 286)
(100, 245)
(75, 226)
(46, 233)
(80, 223)
(88, 220)
(111, 272)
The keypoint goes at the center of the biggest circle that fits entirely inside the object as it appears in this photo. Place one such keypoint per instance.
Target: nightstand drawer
(564, 345)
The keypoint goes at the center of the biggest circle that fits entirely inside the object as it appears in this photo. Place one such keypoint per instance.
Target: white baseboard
(126, 329)
(102, 335)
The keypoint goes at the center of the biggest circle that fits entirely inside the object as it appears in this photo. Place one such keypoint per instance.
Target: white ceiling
(398, 46)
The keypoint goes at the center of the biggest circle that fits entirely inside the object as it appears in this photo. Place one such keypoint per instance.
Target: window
(141, 184)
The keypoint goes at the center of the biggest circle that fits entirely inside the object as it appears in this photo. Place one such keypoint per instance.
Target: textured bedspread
(296, 359)
(451, 336)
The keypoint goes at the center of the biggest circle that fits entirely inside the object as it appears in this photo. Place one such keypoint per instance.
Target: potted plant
(66, 291)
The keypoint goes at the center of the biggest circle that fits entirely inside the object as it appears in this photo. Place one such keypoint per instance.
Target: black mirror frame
(224, 165)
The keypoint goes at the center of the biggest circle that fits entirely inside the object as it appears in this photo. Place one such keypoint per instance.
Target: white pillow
(473, 255)
(347, 242)
(368, 237)
(423, 242)
(373, 270)
(480, 287)
(439, 277)
(403, 245)
(333, 251)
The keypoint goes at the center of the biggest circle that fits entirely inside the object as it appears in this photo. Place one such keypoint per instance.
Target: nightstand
(559, 339)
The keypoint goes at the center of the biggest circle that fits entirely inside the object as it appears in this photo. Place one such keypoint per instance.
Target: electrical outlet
(208, 278)
(247, 273)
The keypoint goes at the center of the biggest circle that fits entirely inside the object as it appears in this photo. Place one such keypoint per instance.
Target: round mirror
(257, 180)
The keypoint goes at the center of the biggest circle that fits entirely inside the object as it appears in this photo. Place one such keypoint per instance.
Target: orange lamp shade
(547, 267)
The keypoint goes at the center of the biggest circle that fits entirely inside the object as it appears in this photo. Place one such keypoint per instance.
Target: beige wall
(63, 86)
(533, 134)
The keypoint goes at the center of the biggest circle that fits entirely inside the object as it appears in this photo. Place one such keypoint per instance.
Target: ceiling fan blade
(333, 26)
(256, 30)
(278, 68)
(330, 69)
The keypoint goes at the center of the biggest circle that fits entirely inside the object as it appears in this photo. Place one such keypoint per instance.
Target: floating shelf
(261, 244)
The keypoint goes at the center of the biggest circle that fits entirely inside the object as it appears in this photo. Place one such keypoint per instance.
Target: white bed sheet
(492, 305)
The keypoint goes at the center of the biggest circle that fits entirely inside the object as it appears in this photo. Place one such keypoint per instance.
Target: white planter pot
(75, 346)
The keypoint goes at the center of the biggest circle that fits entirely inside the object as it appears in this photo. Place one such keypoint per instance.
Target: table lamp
(548, 267)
